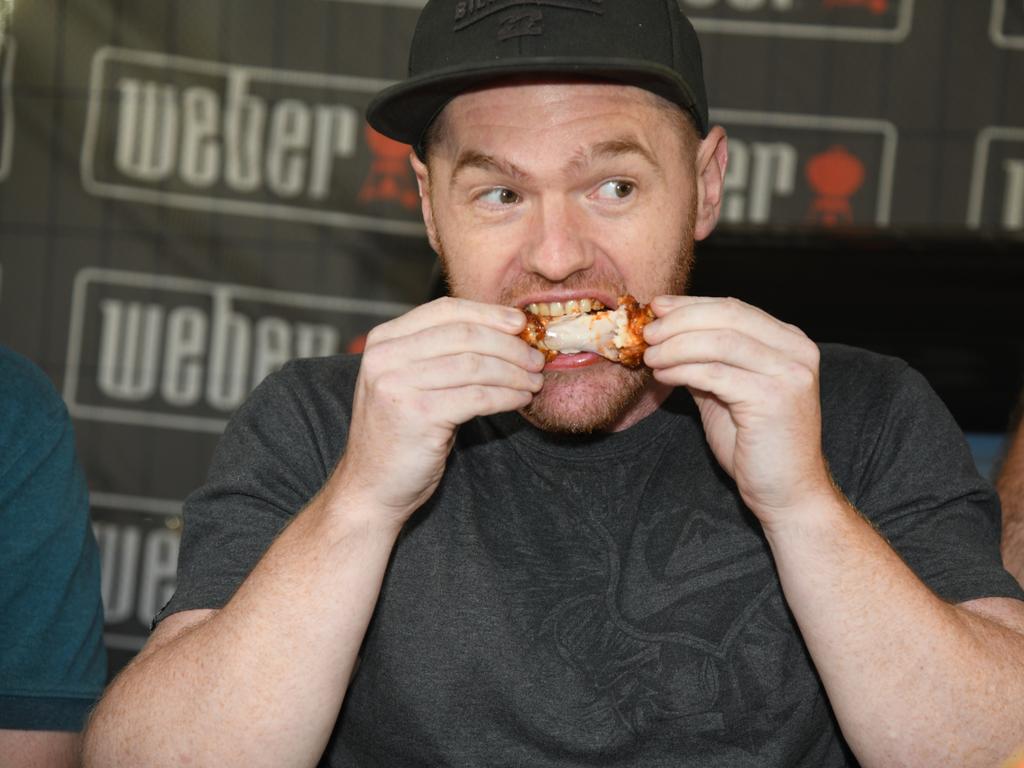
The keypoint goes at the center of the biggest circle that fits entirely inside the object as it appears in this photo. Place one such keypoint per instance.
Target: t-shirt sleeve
(918, 484)
(53, 663)
(268, 464)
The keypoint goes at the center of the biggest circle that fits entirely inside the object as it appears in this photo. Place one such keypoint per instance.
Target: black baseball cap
(460, 45)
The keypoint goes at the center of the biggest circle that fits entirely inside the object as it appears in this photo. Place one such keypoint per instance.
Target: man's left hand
(755, 381)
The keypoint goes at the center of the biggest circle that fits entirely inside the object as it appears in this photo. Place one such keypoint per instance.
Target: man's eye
(616, 189)
(500, 196)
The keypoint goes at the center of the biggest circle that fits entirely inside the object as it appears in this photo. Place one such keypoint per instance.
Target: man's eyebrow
(472, 159)
(610, 149)
(603, 150)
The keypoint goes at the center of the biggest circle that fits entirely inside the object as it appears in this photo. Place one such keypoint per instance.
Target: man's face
(541, 193)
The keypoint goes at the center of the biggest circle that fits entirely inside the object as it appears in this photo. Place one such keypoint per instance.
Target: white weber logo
(180, 353)
(249, 141)
(807, 170)
(138, 539)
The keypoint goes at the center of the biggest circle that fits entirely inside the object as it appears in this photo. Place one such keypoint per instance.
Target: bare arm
(261, 681)
(39, 749)
(1010, 485)
(913, 681)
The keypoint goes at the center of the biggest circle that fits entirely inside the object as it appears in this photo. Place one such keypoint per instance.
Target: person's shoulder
(334, 375)
(871, 387)
(318, 369)
(861, 384)
(27, 396)
(843, 356)
(309, 385)
(844, 367)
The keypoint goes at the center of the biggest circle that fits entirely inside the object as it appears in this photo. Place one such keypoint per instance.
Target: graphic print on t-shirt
(644, 613)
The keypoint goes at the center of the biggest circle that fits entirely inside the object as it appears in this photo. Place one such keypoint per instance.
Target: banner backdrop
(189, 196)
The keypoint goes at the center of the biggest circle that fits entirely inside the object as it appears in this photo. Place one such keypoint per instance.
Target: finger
(726, 345)
(729, 384)
(457, 338)
(461, 404)
(678, 314)
(468, 368)
(449, 310)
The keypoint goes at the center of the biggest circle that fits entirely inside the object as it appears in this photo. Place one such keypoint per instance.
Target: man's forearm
(913, 680)
(39, 749)
(261, 682)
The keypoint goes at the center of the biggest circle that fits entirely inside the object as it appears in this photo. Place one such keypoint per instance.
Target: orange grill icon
(835, 175)
(390, 179)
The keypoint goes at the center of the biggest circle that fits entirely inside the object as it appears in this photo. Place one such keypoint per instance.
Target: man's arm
(913, 680)
(261, 681)
(39, 749)
(1010, 485)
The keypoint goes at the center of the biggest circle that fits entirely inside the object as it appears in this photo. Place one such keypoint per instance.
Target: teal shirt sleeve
(52, 659)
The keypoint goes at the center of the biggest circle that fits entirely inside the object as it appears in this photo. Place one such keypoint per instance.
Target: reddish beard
(610, 391)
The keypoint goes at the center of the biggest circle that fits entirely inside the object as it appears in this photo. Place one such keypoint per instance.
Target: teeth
(571, 307)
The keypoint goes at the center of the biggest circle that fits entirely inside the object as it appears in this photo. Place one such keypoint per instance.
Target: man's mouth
(559, 308)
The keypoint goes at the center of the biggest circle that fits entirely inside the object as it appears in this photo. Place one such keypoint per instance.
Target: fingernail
(651, 329)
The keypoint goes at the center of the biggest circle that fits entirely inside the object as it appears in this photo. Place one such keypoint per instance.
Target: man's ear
(423, 183)
(712, 159)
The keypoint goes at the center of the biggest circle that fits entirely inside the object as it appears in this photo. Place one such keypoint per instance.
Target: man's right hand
(422, 375)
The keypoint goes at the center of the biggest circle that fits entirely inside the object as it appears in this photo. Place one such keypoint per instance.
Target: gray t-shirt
(602, 600)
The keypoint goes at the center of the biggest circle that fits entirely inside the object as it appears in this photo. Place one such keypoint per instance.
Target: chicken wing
(617, 334)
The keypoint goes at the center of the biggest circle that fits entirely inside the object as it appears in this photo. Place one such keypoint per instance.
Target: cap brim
(405, 110)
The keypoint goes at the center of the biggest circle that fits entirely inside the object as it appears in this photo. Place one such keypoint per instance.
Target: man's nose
(557, 247)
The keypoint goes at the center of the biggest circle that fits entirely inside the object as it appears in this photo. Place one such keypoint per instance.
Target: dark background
(189, 197)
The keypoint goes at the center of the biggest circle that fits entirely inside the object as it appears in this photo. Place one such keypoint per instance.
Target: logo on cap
(521, 24)
(468, 12)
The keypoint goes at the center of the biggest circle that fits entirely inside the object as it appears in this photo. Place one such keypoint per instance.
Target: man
(1010, 484)
(52, 660)
(572, 563)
